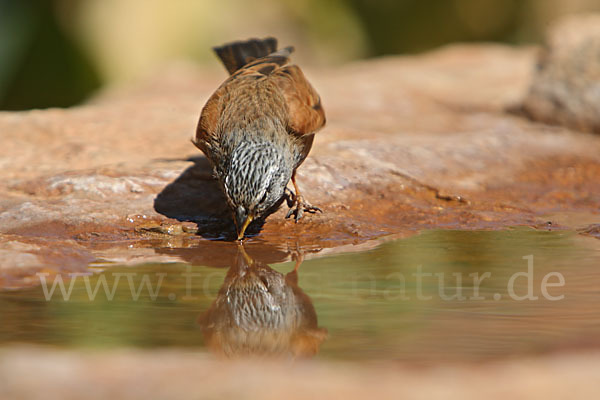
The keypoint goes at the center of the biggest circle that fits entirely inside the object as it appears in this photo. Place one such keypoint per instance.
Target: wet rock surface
(411, 143)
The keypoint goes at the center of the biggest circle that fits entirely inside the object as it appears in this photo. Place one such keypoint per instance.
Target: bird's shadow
(196, 196)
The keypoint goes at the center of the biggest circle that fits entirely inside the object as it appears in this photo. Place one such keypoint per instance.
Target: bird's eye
(262, 200)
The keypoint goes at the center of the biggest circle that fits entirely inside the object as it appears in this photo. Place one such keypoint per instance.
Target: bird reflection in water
(261, 312)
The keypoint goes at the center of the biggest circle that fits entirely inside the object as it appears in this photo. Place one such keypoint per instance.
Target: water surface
(440, 295)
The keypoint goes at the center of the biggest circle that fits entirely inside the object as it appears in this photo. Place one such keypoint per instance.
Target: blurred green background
(56, 53)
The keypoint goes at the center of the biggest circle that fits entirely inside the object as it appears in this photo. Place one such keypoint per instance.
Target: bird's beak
(242, 220)
(244, 226)
(246, 260)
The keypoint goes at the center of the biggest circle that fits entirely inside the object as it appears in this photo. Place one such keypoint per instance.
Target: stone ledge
(412, 143)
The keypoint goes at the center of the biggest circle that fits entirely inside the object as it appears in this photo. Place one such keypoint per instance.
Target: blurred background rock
(58, 52)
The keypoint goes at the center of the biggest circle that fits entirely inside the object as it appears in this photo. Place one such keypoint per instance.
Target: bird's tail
(235, 55)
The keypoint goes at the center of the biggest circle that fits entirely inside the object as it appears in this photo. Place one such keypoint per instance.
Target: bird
(260, 311)
(257, 128)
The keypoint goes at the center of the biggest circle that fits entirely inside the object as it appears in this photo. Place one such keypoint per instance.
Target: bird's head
(254, 181)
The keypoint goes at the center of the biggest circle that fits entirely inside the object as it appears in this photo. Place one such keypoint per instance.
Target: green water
(437, 295)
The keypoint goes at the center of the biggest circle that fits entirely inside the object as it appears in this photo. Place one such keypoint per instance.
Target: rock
(566, 85)
(49, 373)
(412, 143)
(591, 230)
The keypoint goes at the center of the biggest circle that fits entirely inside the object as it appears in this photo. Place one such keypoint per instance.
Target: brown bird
(259, 311)
(257, 128)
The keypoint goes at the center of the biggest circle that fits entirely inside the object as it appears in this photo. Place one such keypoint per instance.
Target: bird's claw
(300, 208)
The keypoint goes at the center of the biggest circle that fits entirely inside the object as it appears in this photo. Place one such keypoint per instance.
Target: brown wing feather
(209, 119)
(212, 110)
(306, 115)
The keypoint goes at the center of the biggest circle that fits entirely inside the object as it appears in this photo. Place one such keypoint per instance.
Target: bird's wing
(208, 120)
(306, 114)
(213, 109)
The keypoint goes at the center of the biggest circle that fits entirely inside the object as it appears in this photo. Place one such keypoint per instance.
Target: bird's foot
(298, 206)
